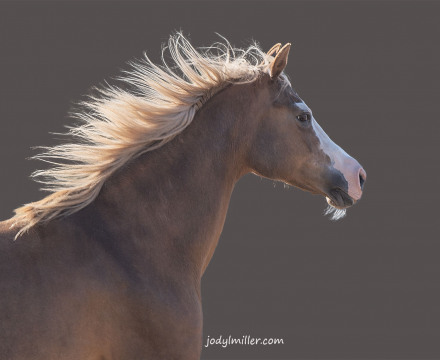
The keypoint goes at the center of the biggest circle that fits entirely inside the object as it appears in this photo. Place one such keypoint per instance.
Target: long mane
(119, 124)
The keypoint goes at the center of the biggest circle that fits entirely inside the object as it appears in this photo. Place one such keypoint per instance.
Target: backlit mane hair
(119, 125)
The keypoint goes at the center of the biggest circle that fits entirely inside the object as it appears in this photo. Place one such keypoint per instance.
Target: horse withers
(109, 264)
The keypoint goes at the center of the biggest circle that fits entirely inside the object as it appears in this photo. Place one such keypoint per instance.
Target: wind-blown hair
(119, 125)
(334, 213)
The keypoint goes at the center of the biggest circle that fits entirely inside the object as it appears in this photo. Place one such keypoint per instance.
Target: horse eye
(304, 117)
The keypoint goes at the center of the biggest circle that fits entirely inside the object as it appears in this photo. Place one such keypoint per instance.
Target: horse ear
(280, 61)
(274, 49)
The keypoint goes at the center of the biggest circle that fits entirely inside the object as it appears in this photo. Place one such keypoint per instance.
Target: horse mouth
(339, 199)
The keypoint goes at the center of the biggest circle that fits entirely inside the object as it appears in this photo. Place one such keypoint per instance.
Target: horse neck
(168, 207)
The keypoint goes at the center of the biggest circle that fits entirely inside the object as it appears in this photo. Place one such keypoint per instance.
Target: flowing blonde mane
(119, 125)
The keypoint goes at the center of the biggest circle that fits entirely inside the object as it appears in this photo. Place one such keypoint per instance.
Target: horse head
(289, 145)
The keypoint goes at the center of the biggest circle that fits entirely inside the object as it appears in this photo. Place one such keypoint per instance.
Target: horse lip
(339, 199)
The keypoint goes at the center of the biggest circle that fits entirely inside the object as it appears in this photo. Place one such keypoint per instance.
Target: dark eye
(304, 117)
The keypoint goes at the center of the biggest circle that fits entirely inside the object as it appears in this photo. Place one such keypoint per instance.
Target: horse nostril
(361, 179)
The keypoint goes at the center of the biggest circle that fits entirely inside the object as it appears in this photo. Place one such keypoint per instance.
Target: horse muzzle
(344, 196)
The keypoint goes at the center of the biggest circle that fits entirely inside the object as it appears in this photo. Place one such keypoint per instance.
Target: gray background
(364, 287)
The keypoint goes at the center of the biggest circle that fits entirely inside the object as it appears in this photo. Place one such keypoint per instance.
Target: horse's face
(291, 146)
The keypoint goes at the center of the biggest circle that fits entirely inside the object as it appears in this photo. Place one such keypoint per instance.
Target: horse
(109, 264)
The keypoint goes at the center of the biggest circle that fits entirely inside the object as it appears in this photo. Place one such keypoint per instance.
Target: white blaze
(341, 161)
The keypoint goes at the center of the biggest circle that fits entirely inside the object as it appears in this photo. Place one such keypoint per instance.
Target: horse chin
(338, 202)
(335, 204)
(335, 213)
(339, 199)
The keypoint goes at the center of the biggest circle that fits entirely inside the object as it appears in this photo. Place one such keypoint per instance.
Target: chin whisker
(335, 214)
